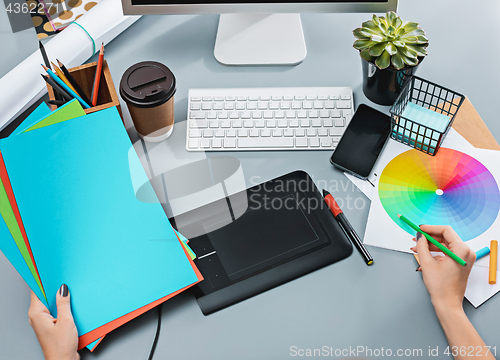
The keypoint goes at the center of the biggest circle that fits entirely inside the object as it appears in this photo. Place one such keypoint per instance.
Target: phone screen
(362, 142)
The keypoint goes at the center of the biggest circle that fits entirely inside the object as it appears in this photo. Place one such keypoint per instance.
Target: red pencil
(97, 79)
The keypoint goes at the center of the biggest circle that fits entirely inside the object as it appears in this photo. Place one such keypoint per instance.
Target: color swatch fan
(450, 188)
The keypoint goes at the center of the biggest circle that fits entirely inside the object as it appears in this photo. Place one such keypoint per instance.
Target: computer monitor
(257, 32)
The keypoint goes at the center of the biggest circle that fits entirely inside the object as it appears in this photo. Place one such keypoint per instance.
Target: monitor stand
(260, 39)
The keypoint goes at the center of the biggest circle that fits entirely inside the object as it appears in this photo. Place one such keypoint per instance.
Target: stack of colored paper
(70, 216)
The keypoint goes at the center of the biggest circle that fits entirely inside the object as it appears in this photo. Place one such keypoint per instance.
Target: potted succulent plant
(391, 50)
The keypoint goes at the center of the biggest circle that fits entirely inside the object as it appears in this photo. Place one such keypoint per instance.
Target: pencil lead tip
(398, 215)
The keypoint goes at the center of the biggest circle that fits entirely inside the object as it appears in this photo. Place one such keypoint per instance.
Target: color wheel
(451, 188)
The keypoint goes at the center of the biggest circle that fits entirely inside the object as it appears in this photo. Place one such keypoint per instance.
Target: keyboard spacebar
(265, 142)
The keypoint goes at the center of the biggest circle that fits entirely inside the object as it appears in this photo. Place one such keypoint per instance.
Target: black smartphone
(362, 142)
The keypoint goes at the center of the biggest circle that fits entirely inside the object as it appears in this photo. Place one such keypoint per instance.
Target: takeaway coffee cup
(148, 89)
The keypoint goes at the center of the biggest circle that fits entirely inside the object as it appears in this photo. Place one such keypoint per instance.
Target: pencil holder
(423, 114)
(84, 76)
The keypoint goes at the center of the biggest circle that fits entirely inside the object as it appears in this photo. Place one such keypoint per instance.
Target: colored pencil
(57, 89)
(57, 102)
(44, 54)
(97, 79)
(63, 77)
(73, 82)
(347, 227)
(440, 246)
(493, 262)
(482, 252)
(65, 87)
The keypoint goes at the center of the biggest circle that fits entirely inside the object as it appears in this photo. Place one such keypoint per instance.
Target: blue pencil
(65, 87)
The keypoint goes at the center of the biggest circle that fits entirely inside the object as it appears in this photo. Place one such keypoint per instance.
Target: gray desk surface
(344, 305)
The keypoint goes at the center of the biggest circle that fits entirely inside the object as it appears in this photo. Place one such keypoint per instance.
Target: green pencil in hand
(440, 246)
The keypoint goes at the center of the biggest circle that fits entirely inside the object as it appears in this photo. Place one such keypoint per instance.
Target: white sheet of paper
(377, 233)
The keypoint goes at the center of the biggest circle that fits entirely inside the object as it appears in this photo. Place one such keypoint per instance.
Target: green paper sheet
(68, 111)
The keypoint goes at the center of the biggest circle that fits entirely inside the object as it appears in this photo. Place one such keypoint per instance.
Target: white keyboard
(267, 118)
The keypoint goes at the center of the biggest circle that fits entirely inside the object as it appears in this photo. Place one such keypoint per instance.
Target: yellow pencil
(63, 77)
(493, 261)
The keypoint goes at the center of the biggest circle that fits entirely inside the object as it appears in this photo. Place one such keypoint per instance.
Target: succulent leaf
(363, 44)
(365, 54)
(384, 60)
(397, 61)
(391, 49)
(390, 41)
(377, 49)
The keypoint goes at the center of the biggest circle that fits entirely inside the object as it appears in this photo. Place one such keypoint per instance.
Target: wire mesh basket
(423, 114)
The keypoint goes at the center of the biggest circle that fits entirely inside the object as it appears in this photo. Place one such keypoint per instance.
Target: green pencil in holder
(423, 114)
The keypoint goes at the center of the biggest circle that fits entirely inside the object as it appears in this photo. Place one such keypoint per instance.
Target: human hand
(57, 337)
(444, 278)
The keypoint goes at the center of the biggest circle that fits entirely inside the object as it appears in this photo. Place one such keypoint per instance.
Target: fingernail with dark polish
(63, 291)
(418, 236)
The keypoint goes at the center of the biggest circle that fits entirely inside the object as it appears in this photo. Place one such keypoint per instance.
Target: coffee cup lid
(147, 84)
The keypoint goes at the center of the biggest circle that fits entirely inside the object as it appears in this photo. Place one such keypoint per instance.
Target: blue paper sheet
(86, 227)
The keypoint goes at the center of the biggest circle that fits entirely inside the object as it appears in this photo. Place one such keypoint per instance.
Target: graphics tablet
(276, 232)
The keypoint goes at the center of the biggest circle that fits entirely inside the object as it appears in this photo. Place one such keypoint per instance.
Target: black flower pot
(383, 86)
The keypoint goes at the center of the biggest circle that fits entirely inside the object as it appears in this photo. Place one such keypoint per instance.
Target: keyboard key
(262, 106)
(302, 114)
(305, 123)
(328, 122)
(277, 132)
(294, 123)
(206, 98)
(206, 106)
(248, 123)
(265, 98)
(194, 133)
(322, 132)
(265, 133)
(334, 131)
(193, 143)
(300, 97)
(197, 115)
(229, 106)
(240, 106)
(334, 97)
(230, 133)
(271, 123)
(234, 114)
(230, 143)
(242, 132)
(290, 114)
(195, 106)
(253, 98)
(256, 114)
(268, 114)
(219, 98)
(230, 98)
(225, 124)
(296, 105)
(318, 104)
(313, 114)
(329, 105)
(218, 106)
(273, 142)
(279, 114)
(345, 97)
(274, 105)
(336, 138)
(276, 98)
(335, 113)
(282, 123)
(301, 142)
(285, 105)
(246, 114)
(220, 133)
(252, 105)
(288, 132)
(314, 142)
(324, 114)
(202, 124)
(311, 132)
(311, 97)
(208, 133)
(214, 124)
(342, 104)
(254, 132)
(222, 115)
(339, 122)
(288, 97)
(217, 143)
(211, 115)
(205, 143)
(195, 98)
(316, 123)
(236, 123)
(326, 142)
(192, 124)
(307, 105)
(259, 123)
(300, 132)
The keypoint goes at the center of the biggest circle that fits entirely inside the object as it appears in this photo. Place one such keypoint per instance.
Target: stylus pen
(440, 246)
(346, 225)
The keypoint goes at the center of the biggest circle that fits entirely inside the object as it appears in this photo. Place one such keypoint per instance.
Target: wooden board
(469, 124)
